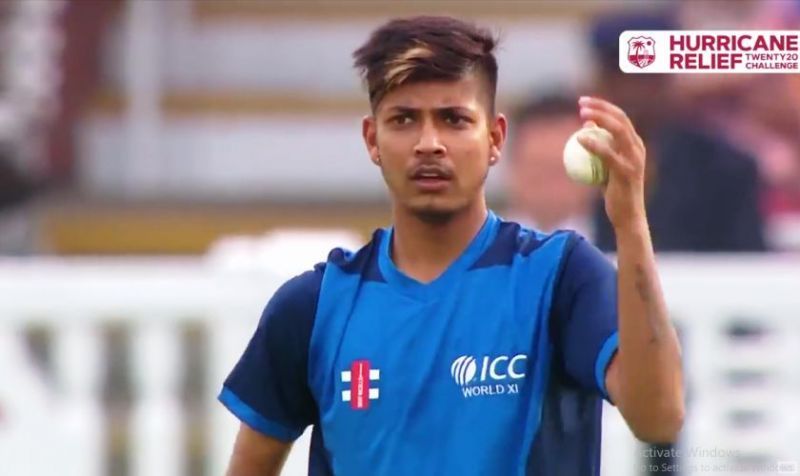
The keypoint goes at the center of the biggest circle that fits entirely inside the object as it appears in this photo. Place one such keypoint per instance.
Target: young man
(456, 343)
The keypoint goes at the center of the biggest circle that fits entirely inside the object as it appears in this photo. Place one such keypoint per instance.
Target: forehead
(465, 93)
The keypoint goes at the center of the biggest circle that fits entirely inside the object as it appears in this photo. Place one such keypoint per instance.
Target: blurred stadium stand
(227, 112)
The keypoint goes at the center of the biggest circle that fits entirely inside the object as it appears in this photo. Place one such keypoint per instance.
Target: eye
(401, 119)
(455, 119)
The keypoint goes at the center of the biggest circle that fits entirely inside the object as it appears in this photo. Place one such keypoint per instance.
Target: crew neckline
(410, 286)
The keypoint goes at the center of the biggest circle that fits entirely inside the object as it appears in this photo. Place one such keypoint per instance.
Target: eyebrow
(414, 110)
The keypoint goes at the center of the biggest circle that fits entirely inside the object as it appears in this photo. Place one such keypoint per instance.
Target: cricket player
(455, 342)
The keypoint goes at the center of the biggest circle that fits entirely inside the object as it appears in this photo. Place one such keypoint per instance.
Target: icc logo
(465, 368)
(641, 51)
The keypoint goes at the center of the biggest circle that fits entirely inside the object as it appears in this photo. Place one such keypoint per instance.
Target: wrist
(634, 227)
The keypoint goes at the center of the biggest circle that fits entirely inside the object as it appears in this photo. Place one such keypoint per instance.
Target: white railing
(76, 298)
(743, 390)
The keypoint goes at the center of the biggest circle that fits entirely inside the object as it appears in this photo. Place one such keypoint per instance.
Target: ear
(369, 132)
(497, 138)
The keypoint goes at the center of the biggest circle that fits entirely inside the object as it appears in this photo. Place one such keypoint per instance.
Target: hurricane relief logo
(489, 375)
(641, 51)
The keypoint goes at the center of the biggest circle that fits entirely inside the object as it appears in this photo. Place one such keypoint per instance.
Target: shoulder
(299, 296)
(514, 240)
(582, 265)
(295, 302)
(362, 263)
(704, 151)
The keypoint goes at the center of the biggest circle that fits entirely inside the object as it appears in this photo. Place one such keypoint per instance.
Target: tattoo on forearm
(642, 286)
(645, 291)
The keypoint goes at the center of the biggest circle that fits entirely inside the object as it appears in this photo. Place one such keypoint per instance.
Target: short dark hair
(546, 106)
(606, 28)
(425, 48)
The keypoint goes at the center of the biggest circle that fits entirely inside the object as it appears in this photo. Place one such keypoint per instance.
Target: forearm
(651, 389)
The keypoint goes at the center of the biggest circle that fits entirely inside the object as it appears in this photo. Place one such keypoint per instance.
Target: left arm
(645, 378)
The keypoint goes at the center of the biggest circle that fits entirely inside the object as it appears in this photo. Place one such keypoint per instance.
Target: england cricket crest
(641, 51)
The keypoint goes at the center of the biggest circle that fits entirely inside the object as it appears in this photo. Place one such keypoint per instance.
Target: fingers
(625, 153)
(603, 105)
(609, 123)
(602, 149)
(612, 118)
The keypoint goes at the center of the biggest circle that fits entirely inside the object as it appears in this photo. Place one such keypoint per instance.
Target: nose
(429, 143)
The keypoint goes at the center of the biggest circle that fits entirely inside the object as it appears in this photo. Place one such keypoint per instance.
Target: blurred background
(165, 165)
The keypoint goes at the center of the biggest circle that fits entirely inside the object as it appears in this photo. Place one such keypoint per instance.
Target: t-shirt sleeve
(585, 314)
(268, 388)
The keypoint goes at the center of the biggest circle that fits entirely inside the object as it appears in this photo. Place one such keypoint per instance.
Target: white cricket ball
(583, 166)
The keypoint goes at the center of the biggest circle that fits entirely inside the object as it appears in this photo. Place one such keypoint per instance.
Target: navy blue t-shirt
(497, 367)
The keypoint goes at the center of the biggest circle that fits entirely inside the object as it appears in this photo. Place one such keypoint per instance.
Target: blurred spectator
(759, 113)
(702, 191)
(540, 194)
(48, 64)
(27, 90)
(84, 24)
(17, 235)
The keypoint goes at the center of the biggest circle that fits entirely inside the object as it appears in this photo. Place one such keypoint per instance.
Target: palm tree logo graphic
(641, 51)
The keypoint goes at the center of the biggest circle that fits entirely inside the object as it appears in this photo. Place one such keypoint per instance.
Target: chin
(434, 216)
(434, 211)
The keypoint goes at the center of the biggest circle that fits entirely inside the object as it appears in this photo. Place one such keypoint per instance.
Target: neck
(424, 250)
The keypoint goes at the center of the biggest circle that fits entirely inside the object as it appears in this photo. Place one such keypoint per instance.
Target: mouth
(431, 177)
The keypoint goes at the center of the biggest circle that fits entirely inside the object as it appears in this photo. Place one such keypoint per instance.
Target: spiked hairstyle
(426, 48)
